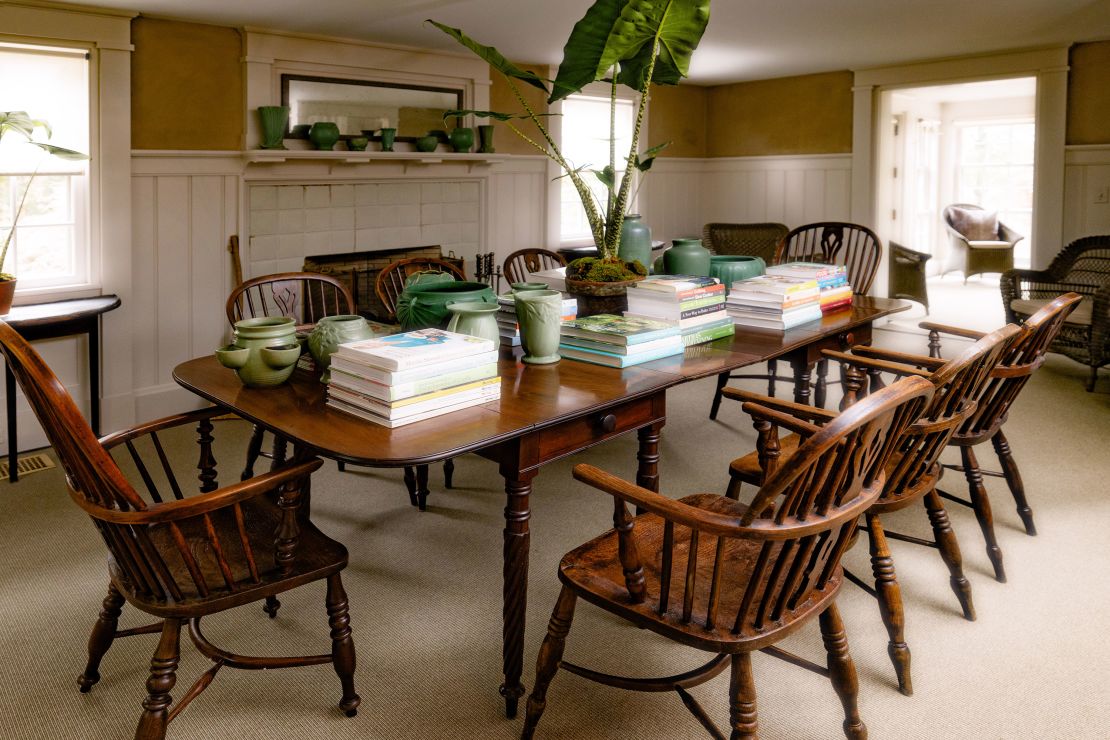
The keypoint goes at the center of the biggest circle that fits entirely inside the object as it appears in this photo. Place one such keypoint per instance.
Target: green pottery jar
(476, 318)
(426, 143)
(329, 333)
(424, 305)
(485, 136)
(323, 135)
(729, 268)
(358, 143)
(686, 257)
(388, 135)
(274, 119)
(538, 312)
(635, 244)
(462, 139)
(264, 353)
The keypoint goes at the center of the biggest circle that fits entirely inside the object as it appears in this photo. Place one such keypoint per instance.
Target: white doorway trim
(1048, 65)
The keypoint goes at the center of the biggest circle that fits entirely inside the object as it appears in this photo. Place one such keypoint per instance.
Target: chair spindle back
(519, 266)
(837, 243)
(305, 297)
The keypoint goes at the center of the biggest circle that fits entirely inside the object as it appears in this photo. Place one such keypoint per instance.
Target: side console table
(50, 321)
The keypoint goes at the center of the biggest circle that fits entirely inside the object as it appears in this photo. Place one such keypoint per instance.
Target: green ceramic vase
(635, 244)
(424, 305)
(388, 135)
(323, 135)
(462, 139)
(264, 353)
(329, 333)
(729, 268)
(426, 143)
(274, 119)
(476, 318)
(538, 312)
(485, 137)
(686, 257)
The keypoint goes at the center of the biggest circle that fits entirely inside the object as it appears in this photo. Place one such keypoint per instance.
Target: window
(585, 143)
(995, 171)
(50, 246)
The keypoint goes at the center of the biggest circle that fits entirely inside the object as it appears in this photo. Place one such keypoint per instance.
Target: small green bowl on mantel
(426, 143)
(357, 143)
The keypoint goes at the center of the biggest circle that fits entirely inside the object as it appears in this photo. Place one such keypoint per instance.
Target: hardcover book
(673, 347)
(618, 329)
(335, 403)
(687, 322)
(677, 283)
(387, 377)
(708, 332)
(486, 389)
(776, 285)
(413, 348)
(417, 389)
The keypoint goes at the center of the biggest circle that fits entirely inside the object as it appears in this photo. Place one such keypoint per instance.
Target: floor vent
(28, 464)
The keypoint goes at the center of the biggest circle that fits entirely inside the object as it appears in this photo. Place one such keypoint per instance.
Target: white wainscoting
(681, 195)
(1086, 183)
(516, 206)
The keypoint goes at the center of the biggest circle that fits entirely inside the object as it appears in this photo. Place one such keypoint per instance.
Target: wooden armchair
(729, 579)
(305, 297)
(1025, 353)
(833, 242)
(180, 558)
(1083, 267)
(754, 240)
(977, 241)
(520, 265)
(912, 472)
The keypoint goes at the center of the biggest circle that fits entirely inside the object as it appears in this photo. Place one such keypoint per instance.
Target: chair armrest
(905, 358)
(867, 363)
(172, 511)
(1006, 234)
(799, 410)
(953, 330)
(116, 438)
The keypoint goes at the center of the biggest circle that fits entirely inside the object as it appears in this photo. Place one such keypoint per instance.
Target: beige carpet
(425, 591)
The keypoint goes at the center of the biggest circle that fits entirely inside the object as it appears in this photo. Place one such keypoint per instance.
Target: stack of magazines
(774, 302)
(694, 303)
(508, 326)
(403, 378)
(619, 341)
(832, 281)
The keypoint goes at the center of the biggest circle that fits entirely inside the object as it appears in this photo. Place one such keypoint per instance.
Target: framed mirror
(361, 107)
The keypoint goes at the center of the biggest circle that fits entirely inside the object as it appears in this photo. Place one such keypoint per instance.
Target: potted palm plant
(624, 42)
(21, 124)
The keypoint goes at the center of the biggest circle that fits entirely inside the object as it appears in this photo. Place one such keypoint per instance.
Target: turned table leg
(518, 488)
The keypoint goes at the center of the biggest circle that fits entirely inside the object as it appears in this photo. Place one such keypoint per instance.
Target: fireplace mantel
(472, 162)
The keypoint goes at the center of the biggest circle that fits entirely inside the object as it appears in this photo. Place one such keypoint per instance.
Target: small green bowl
(357, 143)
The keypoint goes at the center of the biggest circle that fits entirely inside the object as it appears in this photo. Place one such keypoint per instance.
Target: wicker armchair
(1082, 267)
(754, 240)
(977, 241)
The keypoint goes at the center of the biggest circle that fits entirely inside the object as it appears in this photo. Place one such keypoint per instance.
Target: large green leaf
(61, 152)
(646, 159)
(493, 57)
(625, 32)
(18, 120)
(490, 114)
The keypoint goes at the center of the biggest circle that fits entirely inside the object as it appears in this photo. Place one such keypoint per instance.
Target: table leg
(518, 488)
(94, 374)
(821, 388)
(13, 444)
(802, 372)
(647, 470)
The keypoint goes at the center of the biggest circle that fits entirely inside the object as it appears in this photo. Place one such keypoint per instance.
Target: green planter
(729, 268)
(329, 333)
(421, 306)
(686, 257)
(264, 353)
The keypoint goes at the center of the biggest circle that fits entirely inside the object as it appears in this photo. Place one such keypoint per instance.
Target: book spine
(621, 361)
(709, 334)
(389, 412)
(667, 296)
(401, 391)
(387, 377)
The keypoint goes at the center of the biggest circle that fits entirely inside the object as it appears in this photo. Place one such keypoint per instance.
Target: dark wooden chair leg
(734, 485)
(889, 594)
(254, 449)
(342, 646)
(163, 676)
(448, 473)
(340, 465)
(271, 606)
(410, 483)
(103, 634)
(821, 387)
(1013, 479)
(772, 372)
(722, 381)
(982, 506)
(422, 487)
(742, 708)
(551, 653)
(842, 671)
(950, 552)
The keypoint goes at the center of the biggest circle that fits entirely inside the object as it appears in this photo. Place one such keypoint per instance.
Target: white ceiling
(1024, 87)
(746, 39)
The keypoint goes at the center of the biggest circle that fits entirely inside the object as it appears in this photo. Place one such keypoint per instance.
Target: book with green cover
(709, 332)
(618, 329)
(611, 359)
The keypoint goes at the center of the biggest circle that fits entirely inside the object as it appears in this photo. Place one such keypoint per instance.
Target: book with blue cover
(618, 329)
(673, 346)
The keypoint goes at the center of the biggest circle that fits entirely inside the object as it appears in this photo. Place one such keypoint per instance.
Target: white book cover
(387, 377)
(394, 423)
(413, 348)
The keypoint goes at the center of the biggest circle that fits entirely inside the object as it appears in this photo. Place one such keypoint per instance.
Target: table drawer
(574, 435)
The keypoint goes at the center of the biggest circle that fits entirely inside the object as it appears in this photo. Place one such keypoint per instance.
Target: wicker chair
(1082, 267)
(974, 254)
(755, 240)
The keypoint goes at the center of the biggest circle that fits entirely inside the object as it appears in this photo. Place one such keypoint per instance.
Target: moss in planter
(604, 271)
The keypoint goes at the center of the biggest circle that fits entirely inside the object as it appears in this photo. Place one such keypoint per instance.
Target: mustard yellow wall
(186, 86)
(1089, 94)
(501, 99)
(811, 114)
(678, 114)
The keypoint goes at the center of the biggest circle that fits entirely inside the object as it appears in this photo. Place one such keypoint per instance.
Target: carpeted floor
(425, 593)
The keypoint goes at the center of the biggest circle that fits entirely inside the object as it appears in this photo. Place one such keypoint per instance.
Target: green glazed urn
(329, 333)
(728, 268)
(635, 242)
(424, 305)
(462, 139)
(274, 119)
(485, 137)
(686, 257)
(264, 353)
(476, 318)
(324, 135)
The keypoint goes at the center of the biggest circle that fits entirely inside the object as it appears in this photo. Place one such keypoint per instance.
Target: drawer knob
(608, 423)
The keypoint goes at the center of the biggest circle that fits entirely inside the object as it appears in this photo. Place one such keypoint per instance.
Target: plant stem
(612, 199)
(15, 218)
(612, 236)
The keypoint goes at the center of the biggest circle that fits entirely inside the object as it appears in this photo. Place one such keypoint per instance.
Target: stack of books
(832, 281)
(507, 322)
(774, 302)
(403, 378)
(619, 341)
(693, 303)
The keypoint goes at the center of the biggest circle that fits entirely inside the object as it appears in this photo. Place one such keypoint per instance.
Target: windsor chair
(912, 473)
(520, 265)
(722, 577)
(180, 558)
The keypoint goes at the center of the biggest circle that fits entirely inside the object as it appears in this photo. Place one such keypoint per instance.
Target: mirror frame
(287, 78)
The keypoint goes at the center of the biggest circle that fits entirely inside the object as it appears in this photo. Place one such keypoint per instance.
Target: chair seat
(594, 572)
(317, 556)
(991, 244)
(1081, 316)
(747, 468)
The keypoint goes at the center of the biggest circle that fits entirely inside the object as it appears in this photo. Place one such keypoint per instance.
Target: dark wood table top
(532, 396)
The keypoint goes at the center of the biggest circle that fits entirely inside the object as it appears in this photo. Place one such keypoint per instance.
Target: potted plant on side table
(19, 122)
(623, 42)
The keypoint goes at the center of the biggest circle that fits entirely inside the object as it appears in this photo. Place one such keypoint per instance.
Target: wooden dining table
(545, 413)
